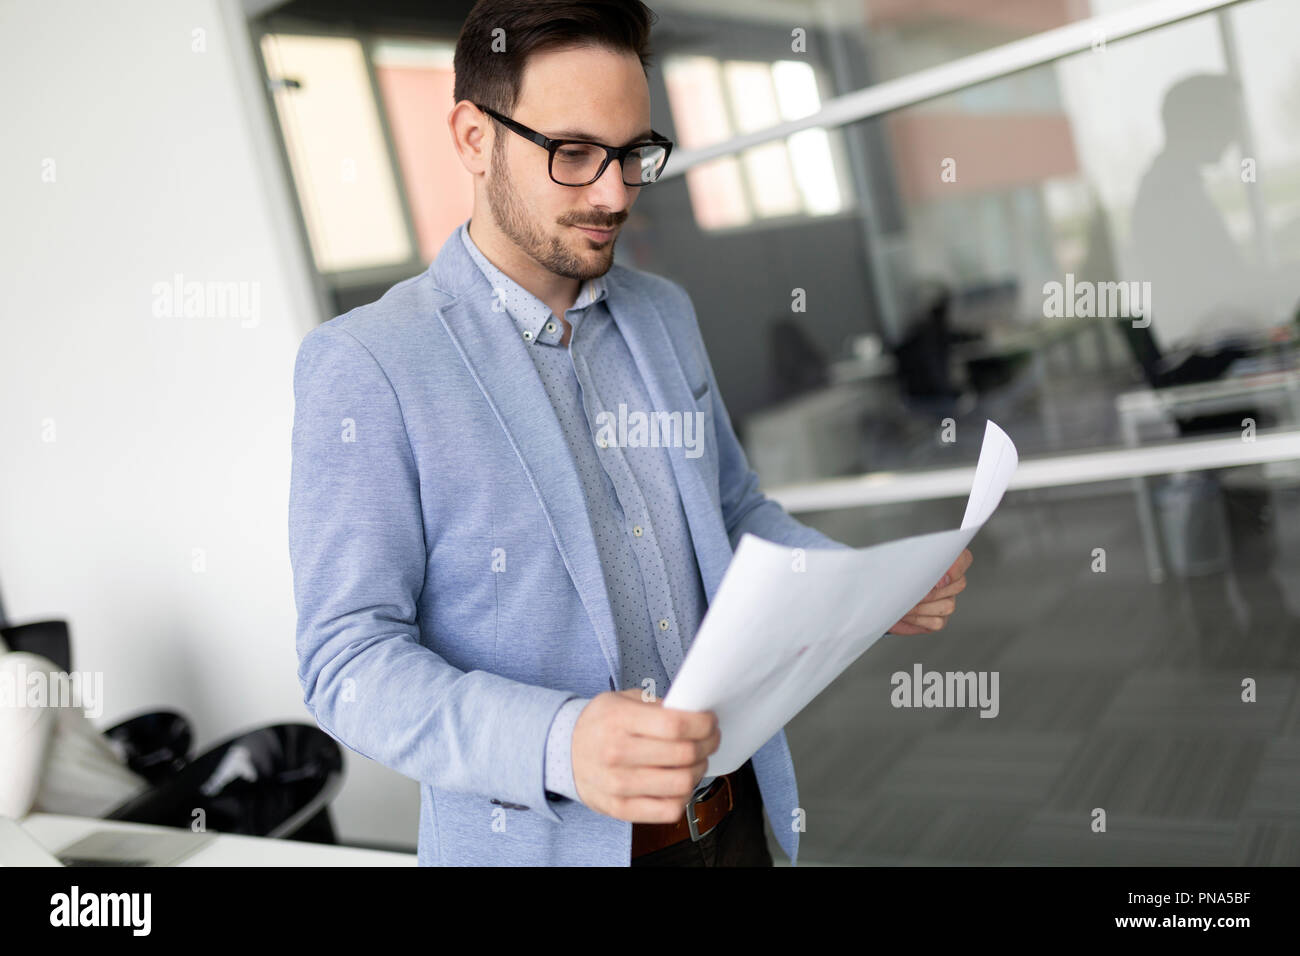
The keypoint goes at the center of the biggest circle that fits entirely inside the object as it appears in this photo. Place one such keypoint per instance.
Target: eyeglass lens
(575, 164)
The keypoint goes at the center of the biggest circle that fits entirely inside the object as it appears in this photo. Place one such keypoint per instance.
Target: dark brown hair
(492, 77)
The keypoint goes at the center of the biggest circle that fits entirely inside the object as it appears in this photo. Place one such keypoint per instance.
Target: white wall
(169, 434)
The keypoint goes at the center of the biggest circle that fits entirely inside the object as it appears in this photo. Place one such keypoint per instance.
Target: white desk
(1144, 408)
(226, 849)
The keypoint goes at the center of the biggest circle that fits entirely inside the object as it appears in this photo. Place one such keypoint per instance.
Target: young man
(495, 585)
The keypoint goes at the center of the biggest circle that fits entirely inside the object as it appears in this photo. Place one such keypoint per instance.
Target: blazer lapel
(500, 364)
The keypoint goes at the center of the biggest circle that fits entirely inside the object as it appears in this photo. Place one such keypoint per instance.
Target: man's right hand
(640, 761)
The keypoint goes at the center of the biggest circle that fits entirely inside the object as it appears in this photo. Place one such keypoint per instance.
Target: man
(1205, 294)
(1202, 286)
(495, 589)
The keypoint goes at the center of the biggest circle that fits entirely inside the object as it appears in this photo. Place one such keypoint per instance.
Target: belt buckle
(692, 821)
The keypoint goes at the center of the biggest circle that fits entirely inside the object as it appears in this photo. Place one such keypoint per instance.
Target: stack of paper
(787, 622)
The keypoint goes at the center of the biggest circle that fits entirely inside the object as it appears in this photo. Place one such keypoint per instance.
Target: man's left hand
(935, 608)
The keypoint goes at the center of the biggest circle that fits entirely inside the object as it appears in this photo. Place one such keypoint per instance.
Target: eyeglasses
(577, 163)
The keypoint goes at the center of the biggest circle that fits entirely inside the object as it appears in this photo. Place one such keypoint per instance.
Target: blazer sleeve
(744, 506)
(357, 548)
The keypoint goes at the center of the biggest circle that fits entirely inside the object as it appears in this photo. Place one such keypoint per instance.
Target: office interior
(897, 220)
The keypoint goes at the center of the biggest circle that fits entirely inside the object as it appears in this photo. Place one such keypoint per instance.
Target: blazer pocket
(704, 455)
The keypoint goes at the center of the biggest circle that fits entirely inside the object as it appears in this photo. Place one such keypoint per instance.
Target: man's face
(585, 93)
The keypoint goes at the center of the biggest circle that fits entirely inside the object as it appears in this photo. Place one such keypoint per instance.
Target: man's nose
(609, 191)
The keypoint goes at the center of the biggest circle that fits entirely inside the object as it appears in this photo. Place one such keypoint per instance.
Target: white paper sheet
(785, 623)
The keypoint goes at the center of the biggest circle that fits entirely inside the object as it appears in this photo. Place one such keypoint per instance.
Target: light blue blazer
(448, 589)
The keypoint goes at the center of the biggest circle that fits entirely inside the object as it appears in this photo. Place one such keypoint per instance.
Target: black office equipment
(275, 781)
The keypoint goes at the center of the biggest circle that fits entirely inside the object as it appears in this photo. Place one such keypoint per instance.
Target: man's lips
(600, 235)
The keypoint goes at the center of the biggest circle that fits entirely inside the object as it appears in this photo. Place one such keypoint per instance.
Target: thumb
(637, 694)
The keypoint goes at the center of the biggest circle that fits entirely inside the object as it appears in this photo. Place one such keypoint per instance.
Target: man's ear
(472, 136)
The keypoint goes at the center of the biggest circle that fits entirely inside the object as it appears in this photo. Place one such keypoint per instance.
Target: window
(364, 127)
(334, 137)
(713, 100)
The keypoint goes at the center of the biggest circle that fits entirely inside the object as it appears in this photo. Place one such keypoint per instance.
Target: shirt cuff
(558, 765)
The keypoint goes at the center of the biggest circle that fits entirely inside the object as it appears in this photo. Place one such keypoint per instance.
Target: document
(785, 622)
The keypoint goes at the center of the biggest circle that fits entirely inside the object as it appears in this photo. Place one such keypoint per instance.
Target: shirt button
(528, 336)
(663, 624)
(550, 326)
(637, 530)
(603, 443)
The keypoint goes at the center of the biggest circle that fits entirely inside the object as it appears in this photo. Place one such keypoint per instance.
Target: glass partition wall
(1088, 232)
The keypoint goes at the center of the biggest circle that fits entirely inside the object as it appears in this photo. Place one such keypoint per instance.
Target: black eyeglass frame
(611, 152)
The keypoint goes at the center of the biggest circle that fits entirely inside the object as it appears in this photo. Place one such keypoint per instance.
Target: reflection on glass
(416, 81)
(1101, 254)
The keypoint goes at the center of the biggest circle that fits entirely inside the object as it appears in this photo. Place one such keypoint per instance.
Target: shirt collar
(529, 313)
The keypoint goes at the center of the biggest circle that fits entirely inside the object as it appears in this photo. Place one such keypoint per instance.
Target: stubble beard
(547, 251)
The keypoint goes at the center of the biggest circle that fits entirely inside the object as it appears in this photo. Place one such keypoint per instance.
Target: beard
(549, 252)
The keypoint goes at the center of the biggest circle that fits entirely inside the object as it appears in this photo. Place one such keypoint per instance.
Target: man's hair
(490, 75)
(1202, 100)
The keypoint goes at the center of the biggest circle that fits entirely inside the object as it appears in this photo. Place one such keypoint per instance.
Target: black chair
(798, 365)
(49, 639)
(922, 358)
(1160, 372)
(276, 781)
(154, 745)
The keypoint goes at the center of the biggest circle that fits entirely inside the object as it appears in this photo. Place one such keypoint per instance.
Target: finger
(928, 622)
(669, 723)
(673, 782)
(637, 751)
(947, 590)
(902, 627)
(649, 810)
(961, 564)
(934, 608)
(637, 694)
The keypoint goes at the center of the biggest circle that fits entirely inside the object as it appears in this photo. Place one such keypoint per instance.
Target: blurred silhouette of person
(1204, 290)
(798, 364)
(1202, 287)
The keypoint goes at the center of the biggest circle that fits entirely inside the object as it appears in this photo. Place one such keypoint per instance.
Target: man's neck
(558, 292)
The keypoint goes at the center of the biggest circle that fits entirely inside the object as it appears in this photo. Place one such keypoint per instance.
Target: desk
(55, 831)
(815, 434)
(1279, 390)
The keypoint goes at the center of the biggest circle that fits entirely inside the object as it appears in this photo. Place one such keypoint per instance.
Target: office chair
(276, 781)
(1198, 367)
(797, 364)
(48, 639)
(153, 744)
(921, 357)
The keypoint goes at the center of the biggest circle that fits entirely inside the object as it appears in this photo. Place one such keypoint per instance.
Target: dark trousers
(737, 841)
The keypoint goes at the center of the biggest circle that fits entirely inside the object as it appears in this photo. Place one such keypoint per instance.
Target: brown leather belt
(700, 816)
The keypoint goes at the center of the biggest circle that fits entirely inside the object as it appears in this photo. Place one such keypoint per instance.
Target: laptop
(99, 848)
